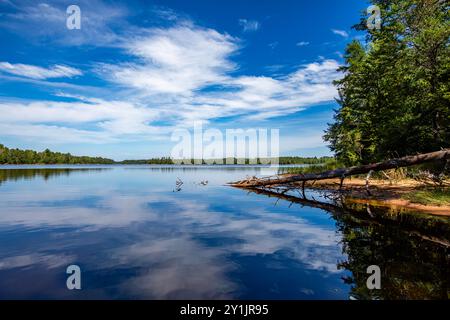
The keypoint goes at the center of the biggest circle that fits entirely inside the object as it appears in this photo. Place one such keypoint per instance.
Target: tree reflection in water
(413, 265)
(411, 249)
(45, 173)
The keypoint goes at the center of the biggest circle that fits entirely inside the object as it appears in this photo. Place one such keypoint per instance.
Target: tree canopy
(394, 96)
(17, 156)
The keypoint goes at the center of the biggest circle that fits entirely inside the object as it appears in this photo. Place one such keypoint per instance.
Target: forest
(394, 97)
(18, 156)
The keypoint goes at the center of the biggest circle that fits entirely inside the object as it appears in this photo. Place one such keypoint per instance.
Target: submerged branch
(417, 225)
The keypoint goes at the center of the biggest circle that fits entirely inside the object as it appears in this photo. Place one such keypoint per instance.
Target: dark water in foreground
(134, 238)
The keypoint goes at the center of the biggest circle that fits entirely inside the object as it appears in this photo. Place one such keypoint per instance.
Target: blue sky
(138, 70)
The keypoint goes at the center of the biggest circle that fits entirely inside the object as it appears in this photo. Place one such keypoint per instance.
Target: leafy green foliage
(308, 160)
(328, 165)
(395, 94)
(17, 156)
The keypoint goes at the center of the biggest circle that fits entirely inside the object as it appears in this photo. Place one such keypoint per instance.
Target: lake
(134, 236)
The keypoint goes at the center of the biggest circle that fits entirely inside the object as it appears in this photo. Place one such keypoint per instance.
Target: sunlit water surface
(135, 237)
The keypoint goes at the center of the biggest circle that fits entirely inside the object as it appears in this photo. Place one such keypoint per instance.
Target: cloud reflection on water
(174, 245)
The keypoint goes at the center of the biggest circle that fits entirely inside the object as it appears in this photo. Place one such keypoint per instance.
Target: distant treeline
(282, 160)
(162, 160)
(17, 156)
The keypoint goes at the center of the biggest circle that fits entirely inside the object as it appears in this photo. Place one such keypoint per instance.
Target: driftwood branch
(346, 172)
(367, 182)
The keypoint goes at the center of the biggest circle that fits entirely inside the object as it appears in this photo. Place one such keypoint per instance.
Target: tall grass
(431, 173)
(430, 196)
(330, 164)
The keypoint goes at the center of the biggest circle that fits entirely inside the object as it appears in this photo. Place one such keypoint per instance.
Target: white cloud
(39, 73)
(341, 33)
(177, 64)
(250, 97)
(249, 25)
(38, 21)
(175, 76)
(59, 122)
(176, 60)
(257, 229)
(302, 43)
(260, 98)
(275, 67)
(52, 133)
(51, 261)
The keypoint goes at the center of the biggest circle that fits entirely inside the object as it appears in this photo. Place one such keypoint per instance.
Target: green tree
(17, 156)
(394, 97)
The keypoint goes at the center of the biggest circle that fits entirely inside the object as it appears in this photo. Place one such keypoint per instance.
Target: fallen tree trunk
(346, 172)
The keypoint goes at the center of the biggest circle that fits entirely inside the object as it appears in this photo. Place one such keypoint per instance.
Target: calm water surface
(134, 237)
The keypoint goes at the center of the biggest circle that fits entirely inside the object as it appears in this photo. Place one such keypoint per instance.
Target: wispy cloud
(166, 13)
(63, 121)
(39, 73)
(176, 60)
(249, 25)
(274, 67)
(273, 45)
(180, 63)
(302, 43)
(44, 21)
(339, 54)
(341, 33)
(98, 121)
(174, 75)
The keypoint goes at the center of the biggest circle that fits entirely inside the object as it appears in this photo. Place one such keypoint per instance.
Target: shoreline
(287, 165)
(383, 193)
